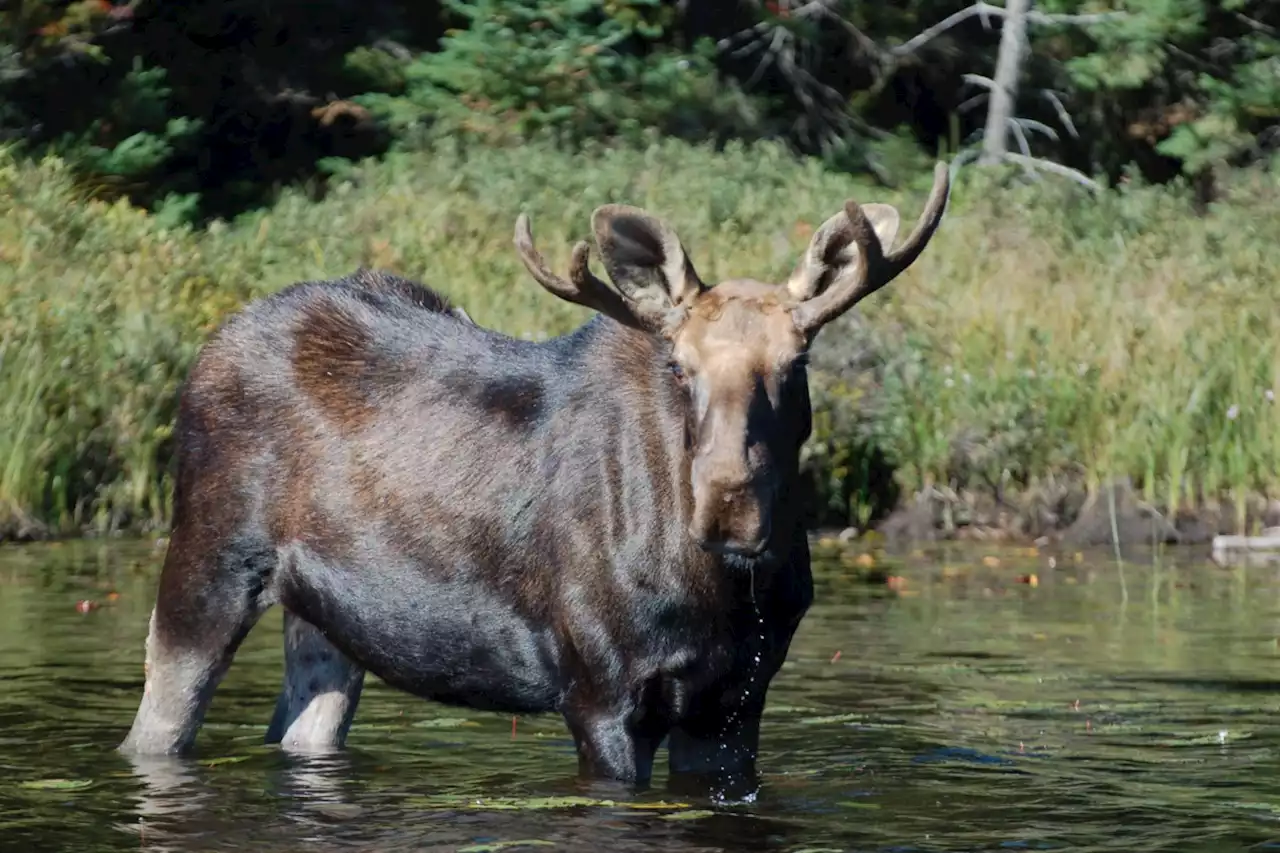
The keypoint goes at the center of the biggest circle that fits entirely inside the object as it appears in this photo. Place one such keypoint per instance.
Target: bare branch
(966, 156)
(747, 49)
(987, 10)
(1004, 91)
(824, 115)
(1037, 126)
(1056, 168)
(780, 49)
(984, 16)
(1254, 24)
(1191, 58)
(811, 9)
(928, 34)
(1063, 115)
(1044, 18)
(864, 41)
(1032, 163)
(1020, 135)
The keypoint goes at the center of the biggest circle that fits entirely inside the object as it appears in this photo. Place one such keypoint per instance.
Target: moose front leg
(716, 740)
(715, 746)
(617, 741)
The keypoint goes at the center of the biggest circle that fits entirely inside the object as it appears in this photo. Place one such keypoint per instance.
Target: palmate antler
(829, 282)
(582, 287)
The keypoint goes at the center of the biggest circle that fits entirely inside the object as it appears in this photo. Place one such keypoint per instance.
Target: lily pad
(836, 718)
(445, 723)
(790, 709)
(690, 814)
(58, 784)
(541, 803)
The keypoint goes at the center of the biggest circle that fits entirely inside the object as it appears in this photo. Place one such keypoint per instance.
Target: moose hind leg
(321, 691)
(208, 602)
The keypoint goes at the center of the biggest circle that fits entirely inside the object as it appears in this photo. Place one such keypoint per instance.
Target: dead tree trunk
(1004, 91)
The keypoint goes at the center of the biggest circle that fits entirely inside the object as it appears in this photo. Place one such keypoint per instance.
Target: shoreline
(1109, 517)
(1061, 517)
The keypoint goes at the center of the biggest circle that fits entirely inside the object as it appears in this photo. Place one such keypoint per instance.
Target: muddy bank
(1068, 515)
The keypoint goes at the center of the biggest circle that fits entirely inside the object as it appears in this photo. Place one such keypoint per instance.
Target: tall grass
(1045, 334)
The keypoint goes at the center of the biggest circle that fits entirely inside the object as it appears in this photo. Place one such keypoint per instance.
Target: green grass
(1046, 335)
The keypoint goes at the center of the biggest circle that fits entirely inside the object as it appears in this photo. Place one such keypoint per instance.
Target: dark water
(1097, 710)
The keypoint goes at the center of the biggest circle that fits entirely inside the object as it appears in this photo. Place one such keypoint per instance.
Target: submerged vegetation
(1048, 341)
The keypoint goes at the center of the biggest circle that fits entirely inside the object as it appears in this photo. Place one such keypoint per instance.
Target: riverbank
(1047, 343)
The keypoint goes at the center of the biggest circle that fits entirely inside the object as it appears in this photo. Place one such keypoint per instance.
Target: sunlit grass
(1044, 335)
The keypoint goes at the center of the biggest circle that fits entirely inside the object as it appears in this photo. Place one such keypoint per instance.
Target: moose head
(737, 350)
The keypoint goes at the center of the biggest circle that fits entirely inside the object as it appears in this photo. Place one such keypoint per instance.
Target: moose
(605, 524)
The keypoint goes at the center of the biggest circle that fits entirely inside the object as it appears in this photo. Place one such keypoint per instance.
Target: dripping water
(753, 672)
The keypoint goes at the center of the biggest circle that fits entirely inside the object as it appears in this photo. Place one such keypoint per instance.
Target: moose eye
(676, 370)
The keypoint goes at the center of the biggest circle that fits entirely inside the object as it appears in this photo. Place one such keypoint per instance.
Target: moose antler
(582, 287)
(874, 266)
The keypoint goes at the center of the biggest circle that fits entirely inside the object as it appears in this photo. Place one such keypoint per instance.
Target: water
(965, 711)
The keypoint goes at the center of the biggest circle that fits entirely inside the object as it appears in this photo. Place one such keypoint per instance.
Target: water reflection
(963, 710)
(323, 805)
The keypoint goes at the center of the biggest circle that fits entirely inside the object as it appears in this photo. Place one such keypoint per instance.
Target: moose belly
(453, 642)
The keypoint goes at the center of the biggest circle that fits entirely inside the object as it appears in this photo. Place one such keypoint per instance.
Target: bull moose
(603, 524)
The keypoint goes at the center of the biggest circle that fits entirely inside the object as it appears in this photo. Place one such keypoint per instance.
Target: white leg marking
(320, 693)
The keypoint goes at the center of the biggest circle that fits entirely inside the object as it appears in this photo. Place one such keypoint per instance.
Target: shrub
(568, 69)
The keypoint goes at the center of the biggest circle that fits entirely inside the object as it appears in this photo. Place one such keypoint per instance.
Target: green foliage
(100, 311)
(135, 138)
(1208, 73)
(128, 142)
(1045, 334)
(1129, 339)
(574, 69)
(194, 109)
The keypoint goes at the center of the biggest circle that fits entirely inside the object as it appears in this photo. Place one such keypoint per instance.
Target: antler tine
(537, 266)
(582, 287)
(906, 254)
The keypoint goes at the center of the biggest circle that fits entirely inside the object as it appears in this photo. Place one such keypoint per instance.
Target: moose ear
(644, 257)
(885, 221)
